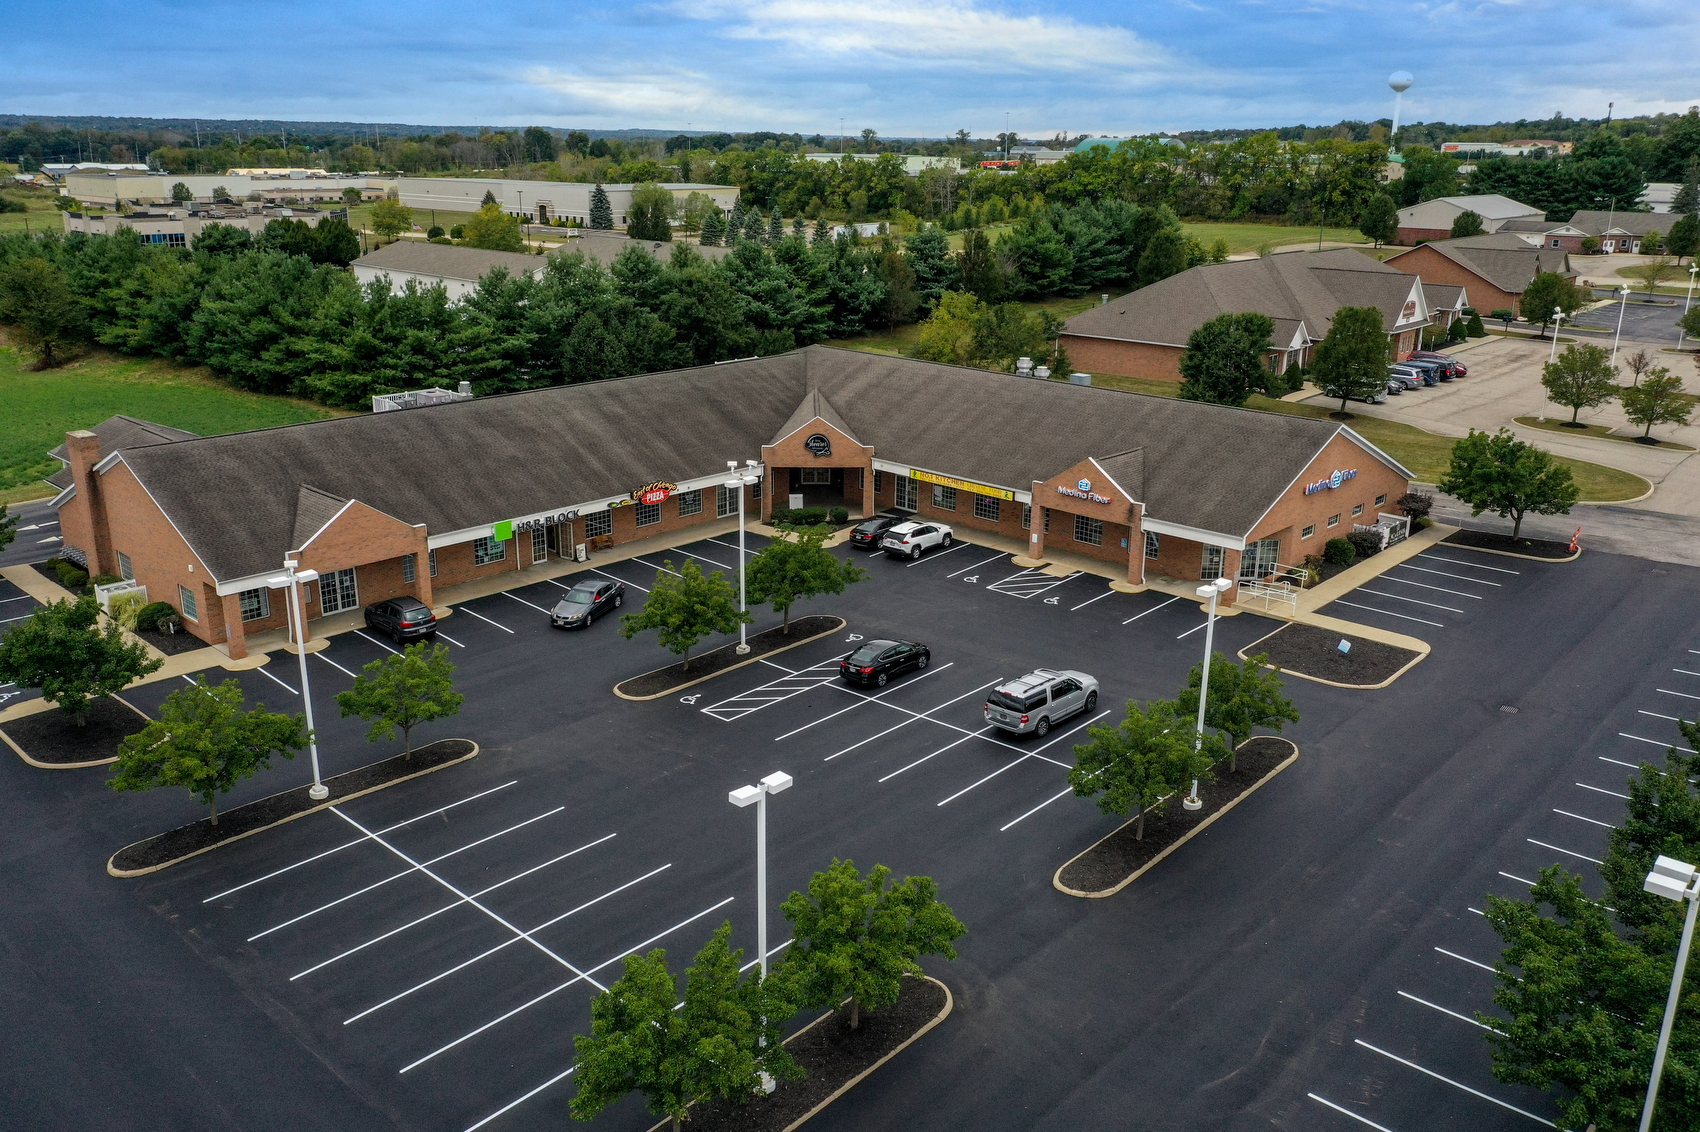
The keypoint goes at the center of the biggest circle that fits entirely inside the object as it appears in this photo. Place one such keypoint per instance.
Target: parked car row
(1422, 369)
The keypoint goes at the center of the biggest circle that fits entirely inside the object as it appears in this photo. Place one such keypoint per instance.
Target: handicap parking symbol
(853, 637)
(1052, 600)
(690, 699)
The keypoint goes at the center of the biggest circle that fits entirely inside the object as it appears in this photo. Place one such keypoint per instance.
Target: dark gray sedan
(585, 602)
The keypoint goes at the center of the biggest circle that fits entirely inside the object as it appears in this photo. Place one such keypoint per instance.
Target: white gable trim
(1196, 534)
(200, 559)
(1126, 494)
(810, 423)
(324, 527)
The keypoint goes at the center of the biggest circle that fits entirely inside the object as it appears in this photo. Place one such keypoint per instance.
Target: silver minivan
(1045, 696)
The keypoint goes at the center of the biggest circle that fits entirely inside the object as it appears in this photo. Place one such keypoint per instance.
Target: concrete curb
(1662, 446)
(326, 804)
(751, 659)
(66, 766)
(1250, 650)
(1056, 878)
(949, 1005)
(1513, 553)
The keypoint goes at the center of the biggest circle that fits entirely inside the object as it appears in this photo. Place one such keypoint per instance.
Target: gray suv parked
(1031, 704)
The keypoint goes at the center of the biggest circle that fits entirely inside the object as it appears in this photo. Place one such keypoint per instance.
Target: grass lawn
(41, 217)
(1599, 432)
(42, 407)
(1251, 237)
(899, 341)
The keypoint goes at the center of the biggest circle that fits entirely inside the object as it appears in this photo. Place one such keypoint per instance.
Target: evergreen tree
(775, 228)
(928, 253)
(713, 229)
(1684, 238)
(1687, 199)
(490, 198)
(1164, 255)
(735, 222)
(798, 227)
(1379, 219)
(823, 233)
(601, 211)
(978, 269)
(1475, 329)
(754, 228)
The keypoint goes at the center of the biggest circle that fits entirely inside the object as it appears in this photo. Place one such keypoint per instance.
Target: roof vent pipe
(466, 389)
(1024, 366)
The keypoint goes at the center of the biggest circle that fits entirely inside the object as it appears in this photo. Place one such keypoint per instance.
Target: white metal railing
(1281, 586)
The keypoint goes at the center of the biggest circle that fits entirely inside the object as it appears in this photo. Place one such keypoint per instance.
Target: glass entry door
(337, 592)
(1260, 557)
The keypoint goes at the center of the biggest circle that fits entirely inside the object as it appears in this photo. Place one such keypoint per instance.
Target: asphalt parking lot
(420, 958)
(1441, 586)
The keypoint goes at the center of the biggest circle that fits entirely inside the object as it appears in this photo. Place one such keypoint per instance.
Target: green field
(42, 407)
(41, 217)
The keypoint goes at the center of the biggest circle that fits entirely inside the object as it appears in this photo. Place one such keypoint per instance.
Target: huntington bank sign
(1329, 483)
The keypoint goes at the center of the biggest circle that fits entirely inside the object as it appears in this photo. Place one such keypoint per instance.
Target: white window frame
(1381, 501)
(431, 560)
(188, 606)
(539, 545)
(1092, 528)
(725, 502)
(125, 570)
(344, 600)
(987, 507)
(254, 604)
(690, 502)
(598, 523)
(409, 567)
(1357, 510)
(1334, 520)
(1026, 516)
(1153, 545)
(816, 477)
(648, 514)
(908, 496)
(487, 550)
(1265, 552)
(1210, 568)
(944, 497)
(1309, 530)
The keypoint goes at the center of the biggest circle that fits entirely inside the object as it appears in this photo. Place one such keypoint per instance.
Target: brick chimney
(82, 521)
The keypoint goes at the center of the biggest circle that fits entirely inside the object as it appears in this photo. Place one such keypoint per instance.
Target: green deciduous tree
(493, 230)
(204, 742)
(63, 650)
(1351, 362)
(650, 212)
(391, 218)
(44, 312)
(403, 690)
(978, 269)
(856, 938)
(1684, 238)
(181, 192)
(1466, 223)
(1141, 761)
(601, 209)
(798, 565)
(717, 1044)
(8, 526)
(350, 196)
(1379, 219)
(684, 607)
(1223, 361)
(1243, 697)
(1690, 323)
(1656, 399)
(1547, 292)
(1165, 254)
(1580, 378)
(1499, 473)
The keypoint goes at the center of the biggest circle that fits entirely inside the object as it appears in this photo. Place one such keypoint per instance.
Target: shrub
(801, 516)
(1503, 315)
(126, 607)
(457, 232)
(1339, 552)
(69, 575)
(841, 514)
(148, 616)
(1456, 333)
(1416, 504)
(1365, 543)
(435, 232)
(106, 579)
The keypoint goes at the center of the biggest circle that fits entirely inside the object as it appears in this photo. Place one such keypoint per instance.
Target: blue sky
(900, 68)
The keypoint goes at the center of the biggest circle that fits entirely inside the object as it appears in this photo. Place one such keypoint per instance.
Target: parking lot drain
(1507, 709)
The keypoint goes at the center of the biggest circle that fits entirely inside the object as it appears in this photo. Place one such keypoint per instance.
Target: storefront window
(1153, 545)
(986, 507)
(1211, 569)
(1088, 531)
(1259, 559)
(648, 514)
(539, 544)
(690, 503)
(488, 550)
(908, 494)
(337, 591)
(599, 524)
(255, 604)
(944, 498)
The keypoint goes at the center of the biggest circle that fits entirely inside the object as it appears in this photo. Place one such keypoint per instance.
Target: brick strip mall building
(404, 502)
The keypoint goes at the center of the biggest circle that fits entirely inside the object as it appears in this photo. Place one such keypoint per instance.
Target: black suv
(867, 535)
(875, 662)
(586, 602)
(403, 618)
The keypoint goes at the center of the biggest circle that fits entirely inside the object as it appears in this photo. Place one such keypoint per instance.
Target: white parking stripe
(1451, 1013)
(1426, 586)
(653, 566)
(982, 562)
(1685, 672)
(1320, 1100)
(24, 597)
(334, 664)
(1566, 852)
(1455, 1084)
(730, 546)
(450, 639)
(940, 554)
(1639, 739)
(1389, 613)
(1472, 565)
(605, 574)
(447, 908)
(940, 751)
(700, 558)
(1194, 629)
(1471, 962)
(1034, 754)
(522, 601)
(380, 644)
(481, 617)
(1603, 790)
(1090, 600)
(1579, 817)
(548, 993)
(262, 671)
(1448, 574)
(913, 715)
(24, 617)
(358, 841)
(1656, 715)
(1412, 600)
(1684, 695)
(1037, 808)
(1153, 609)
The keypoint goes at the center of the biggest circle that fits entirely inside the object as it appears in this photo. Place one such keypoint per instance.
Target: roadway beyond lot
(428, 952)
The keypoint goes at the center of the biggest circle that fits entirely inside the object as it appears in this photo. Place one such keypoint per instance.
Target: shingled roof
(116, 433)
(1504, 259)
(238, 498)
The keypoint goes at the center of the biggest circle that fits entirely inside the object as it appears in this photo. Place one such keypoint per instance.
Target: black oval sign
(820, 444)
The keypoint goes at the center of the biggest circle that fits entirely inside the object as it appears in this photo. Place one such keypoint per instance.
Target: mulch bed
(173, 643)
(1121, 854)
(1490, 540)
(52, 575)
(664, 680)
(831, 1053)
(185, 840)
(53, 737)
(1313, 651)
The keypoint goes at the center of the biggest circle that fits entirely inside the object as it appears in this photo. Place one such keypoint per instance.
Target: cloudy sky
(902, 68)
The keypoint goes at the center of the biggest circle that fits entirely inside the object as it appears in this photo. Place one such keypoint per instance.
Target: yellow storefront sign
(962, 485)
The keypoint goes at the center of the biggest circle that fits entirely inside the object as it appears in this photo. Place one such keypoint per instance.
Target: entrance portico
(815, 456)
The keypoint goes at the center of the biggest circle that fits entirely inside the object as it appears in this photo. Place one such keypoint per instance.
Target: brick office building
(417, 499)
(1494, 269)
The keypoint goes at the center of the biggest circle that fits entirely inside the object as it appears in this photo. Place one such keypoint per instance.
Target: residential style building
(1613, 232)
(107, 189)
(541, 201)
(1432, 219)
(1143, 334)
(178, 227)
(1153, 485)
(1493, 269)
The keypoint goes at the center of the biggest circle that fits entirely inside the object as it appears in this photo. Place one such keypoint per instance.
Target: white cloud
(665, 97)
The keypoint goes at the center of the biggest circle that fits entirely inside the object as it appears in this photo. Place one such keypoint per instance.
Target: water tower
(1400, 81)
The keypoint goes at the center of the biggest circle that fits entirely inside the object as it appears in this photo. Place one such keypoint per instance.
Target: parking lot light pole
(292, 580)
(1622, 305)
(1674, 880)
(738, 483)
(1680, 333)
(1210, 592)
(742, 797)
(1557, 321)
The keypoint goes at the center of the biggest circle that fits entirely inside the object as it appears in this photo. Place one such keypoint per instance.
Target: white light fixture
(292, 579)
(1210, 591)
(743, 796)
(738, 483)
(1673, 880)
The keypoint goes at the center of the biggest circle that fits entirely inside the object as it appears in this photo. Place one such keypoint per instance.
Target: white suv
(1031, 704)
(908, 540)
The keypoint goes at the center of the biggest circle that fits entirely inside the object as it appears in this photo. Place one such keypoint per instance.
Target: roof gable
(813, 407)
(1127, 471)
(314, 511)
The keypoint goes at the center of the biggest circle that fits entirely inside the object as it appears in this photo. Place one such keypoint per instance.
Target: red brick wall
(1436, 268)
(159, 557)
(791, 453)
(1129, 359)
(1287, 519)
(1409, 236)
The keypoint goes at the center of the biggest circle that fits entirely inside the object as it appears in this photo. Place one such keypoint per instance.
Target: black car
(875, 662)
(867, 535)
(403, 618)
(586, 602)
(1431, 371)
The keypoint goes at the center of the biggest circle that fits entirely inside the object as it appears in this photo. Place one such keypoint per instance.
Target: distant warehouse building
(178, 227)
(107, 189)
(415, 500)
(541, 201)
